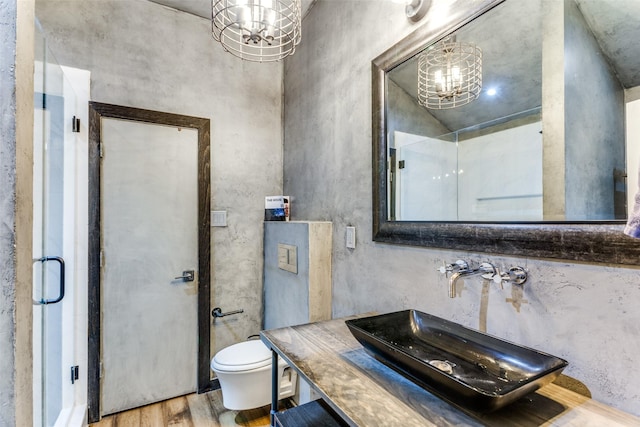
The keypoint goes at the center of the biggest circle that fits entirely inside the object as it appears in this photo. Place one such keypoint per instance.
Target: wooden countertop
(366, 393)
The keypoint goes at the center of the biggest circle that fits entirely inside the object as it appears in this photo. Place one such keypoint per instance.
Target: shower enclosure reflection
(491, 171)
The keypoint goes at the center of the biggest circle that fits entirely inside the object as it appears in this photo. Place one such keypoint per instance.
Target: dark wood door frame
(96, 112)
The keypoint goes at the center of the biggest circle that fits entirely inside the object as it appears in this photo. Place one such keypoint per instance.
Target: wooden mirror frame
(593, 241)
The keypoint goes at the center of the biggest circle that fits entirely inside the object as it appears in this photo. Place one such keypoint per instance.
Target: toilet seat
(244, 356)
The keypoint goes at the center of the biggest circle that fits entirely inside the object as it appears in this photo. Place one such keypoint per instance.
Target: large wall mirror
(503, 130)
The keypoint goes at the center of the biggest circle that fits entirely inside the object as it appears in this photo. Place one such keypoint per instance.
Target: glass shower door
(53, 311)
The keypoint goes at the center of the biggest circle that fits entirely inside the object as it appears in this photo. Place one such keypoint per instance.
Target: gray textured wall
(409, 116)
(585, 313)
(144, 55)
(594, 122)
(7, 210)
(16, 148)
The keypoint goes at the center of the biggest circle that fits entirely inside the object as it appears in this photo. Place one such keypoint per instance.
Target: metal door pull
(60, 261)
(187, 276)
(217, 312)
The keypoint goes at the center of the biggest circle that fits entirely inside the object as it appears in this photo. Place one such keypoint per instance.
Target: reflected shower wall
(489, 172)
(501, 176)
(426, 185)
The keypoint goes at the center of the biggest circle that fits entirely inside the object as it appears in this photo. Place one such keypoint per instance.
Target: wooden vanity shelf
(337, 367)
(313, 414)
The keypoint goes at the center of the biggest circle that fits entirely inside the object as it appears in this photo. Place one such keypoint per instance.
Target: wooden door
(149, 229)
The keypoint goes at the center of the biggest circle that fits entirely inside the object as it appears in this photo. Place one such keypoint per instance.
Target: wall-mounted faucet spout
(486, 269)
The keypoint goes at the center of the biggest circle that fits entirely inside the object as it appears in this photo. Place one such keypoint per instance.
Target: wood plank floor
(194, 410)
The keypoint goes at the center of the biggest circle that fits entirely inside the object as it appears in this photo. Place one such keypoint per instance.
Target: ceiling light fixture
(415, 9)
(257, 30)
(449, 74)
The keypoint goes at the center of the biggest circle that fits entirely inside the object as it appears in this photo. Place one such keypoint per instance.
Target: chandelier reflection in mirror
(257, 30)
(449, 74)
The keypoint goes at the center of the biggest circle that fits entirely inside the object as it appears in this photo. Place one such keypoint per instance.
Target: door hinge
(101, 373)
(100, 150)
(75, 125)
(74, 374)
(101, 258)
(401, 164)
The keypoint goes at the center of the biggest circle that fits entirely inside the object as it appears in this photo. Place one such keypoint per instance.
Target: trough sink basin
(468, 368)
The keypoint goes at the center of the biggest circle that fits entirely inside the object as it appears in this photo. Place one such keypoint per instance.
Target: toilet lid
(242, 356)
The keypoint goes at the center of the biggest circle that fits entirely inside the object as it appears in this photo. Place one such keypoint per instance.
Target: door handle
(217, 312)
(187, 276)
(60, 261)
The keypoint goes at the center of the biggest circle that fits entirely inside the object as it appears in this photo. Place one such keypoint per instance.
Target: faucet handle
(498, 278)
(516, 275)
(489, 271)
(459, 265)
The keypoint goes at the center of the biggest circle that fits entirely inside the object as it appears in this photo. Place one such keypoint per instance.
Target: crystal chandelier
(449, 74)
(257, 30)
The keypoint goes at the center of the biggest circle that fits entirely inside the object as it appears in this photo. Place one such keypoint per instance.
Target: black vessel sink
(466, 367)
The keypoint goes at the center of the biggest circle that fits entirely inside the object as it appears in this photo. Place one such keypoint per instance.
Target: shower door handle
(60, 261)
(187, 276)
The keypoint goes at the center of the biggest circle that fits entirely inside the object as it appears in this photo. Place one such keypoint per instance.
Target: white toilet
(244, 372)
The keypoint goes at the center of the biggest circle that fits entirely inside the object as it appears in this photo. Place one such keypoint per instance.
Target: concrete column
(16, 155)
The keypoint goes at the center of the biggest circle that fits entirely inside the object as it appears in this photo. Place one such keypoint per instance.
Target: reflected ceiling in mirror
(528, 148)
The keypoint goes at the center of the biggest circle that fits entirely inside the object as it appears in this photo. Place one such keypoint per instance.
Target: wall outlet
(351, 237)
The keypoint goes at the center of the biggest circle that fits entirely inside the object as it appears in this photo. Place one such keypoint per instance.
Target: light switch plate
(288, 257)
(351, 237)
(218, 218)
